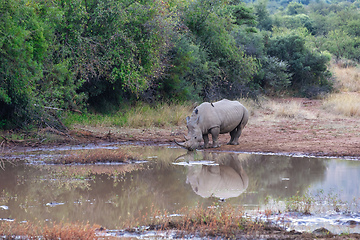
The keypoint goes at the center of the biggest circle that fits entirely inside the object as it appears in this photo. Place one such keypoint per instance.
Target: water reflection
(220, 176)
(111, 194)
(283, 176)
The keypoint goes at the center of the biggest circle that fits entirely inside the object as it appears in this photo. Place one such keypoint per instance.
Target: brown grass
(63, 231)
(159, 116)
(226, 221)
(347, 104)
(347, 79)
(292, 109)
(95, 156)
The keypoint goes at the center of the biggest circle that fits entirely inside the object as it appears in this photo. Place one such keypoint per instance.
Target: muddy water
(169, 179)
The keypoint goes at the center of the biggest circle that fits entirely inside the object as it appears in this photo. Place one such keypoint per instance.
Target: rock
(322, 231)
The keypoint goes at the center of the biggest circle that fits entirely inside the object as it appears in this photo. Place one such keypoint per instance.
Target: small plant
(299, 203)
(335, 201)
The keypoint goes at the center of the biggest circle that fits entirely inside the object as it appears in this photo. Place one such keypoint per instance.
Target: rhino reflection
(224, 179)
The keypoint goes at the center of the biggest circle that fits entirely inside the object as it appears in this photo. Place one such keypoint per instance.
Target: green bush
(22, 48)
(307, 67)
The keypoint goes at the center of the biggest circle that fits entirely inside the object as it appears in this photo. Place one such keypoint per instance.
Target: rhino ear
(187, 119)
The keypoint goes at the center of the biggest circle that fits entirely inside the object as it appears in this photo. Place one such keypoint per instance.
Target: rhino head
(195, 135)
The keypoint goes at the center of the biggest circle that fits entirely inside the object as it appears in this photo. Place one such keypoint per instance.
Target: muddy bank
(312, 130)
(325, 135)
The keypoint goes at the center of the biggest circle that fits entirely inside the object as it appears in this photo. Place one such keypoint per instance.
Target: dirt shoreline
(324, 134)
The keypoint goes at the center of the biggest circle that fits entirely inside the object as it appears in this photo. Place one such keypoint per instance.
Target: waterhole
(168, 179)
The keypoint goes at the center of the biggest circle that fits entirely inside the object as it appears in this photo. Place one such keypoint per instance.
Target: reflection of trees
(282, 176)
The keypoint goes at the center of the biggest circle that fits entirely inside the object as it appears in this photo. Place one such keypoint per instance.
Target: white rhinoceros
(224, 116)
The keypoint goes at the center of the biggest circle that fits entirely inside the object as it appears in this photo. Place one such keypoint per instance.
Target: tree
(211, 24)
(274, 76)
(295, 8)
(342, 45)
(265, 22)
(22, 50)
(307, 68)
(119, 47)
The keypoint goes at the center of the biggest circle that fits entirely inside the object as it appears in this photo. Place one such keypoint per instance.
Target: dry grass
(159, 116)
(225, 221)
(251, 105)
(348, 79)
(95, 156)
(347, 104)
(139, 116)
(64, 231)
(287, 109)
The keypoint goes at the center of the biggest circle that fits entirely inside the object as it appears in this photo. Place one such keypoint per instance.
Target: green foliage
(22, 47)
(307, 68)
(342, 45)
(295, 8)
(184, 79)
(264, 20)
(224, 63)
(294, 22)
(243, 15)
(274, 75)
(99, 54)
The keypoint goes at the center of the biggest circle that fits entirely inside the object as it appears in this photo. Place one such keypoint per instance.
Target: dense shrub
(99, 54)
(307, 67)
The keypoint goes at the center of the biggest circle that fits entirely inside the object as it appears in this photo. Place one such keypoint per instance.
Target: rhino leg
(235, 134)
(206, 140)
(215, 134)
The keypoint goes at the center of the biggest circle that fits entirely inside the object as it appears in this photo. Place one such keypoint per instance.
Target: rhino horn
(186, 138)
(184, 145)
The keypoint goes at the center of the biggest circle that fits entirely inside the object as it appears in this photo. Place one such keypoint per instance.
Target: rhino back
(208, 117)
(230, 114)
(225, 114)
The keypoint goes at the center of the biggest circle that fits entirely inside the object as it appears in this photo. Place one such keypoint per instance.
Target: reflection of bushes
(70, 177)
(81, 171)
